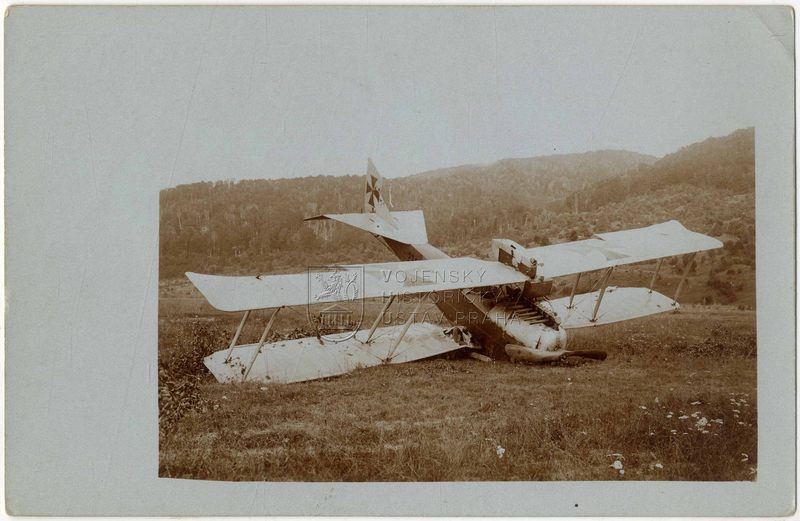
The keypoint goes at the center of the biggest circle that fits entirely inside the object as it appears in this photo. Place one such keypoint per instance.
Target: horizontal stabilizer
(347, 283)
(618, 304)
(605, 250)
(302, 359)
(408, 226)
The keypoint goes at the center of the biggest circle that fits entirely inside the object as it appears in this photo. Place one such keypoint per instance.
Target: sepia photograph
(562, 296)
(400, 260)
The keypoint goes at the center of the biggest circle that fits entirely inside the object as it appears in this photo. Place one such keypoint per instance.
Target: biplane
(500, 308)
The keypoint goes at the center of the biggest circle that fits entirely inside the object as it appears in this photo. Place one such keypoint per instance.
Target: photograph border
(90, 447)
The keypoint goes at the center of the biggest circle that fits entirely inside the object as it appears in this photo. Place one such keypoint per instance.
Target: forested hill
(726, 163)
(561, 170)
(257, 226)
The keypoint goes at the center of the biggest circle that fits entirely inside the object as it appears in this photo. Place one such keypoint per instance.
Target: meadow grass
(675, 400)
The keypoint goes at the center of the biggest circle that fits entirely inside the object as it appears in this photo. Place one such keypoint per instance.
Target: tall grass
(675, 401)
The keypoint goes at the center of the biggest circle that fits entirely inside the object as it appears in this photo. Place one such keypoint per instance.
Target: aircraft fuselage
(493, 321)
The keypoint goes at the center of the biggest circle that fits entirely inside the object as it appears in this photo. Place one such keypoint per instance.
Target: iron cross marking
(372, 190)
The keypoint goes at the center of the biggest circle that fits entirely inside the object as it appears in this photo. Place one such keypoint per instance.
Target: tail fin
(373, 196)
(407, 227)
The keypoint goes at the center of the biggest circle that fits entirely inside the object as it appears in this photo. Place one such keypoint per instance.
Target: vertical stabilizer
(373, 195)
(406, 227)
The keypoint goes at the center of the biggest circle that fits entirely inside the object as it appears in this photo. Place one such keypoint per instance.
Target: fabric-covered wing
(408, 226)
(618, 304)
(301, 359)
(617, 248)
(346, 283)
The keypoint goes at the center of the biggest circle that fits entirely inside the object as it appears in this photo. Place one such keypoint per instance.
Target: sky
(207, 93)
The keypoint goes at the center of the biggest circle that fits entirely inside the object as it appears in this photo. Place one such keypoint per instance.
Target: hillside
(561, 171)
(724, 163)
(256, 226)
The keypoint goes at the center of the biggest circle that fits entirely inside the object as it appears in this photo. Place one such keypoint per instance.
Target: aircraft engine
(553, 339)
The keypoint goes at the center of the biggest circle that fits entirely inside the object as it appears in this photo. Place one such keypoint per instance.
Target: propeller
(522, 353)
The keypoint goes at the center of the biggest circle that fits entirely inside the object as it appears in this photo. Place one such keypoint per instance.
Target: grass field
(675, 400)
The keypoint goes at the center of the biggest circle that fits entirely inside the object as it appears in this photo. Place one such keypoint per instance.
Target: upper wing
(347, 283)
(617, 248)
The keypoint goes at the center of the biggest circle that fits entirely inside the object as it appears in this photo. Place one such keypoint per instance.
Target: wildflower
(643, 407)
(696, 403)
(684, 417)
(617, 465)
(658, 466)
(702, 422)
(737, 411)
(500, 452)
(621, 472)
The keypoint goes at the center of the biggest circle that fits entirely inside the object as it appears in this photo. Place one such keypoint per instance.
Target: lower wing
(302, 359)
(618, 304)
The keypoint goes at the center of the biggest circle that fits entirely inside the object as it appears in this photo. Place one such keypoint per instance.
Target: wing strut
(574, 289)
(603, 286)
(260, 343)
(655, 275)
(378, 320)
(236, 335)
(689, 259)
(405, 329)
